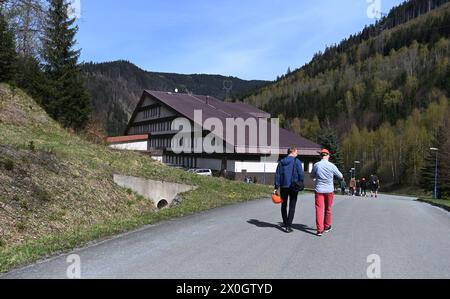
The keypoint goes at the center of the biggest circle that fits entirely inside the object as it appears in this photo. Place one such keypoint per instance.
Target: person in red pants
(324, 173)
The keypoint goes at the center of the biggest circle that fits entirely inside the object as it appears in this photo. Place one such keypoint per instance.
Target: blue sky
(250, 39)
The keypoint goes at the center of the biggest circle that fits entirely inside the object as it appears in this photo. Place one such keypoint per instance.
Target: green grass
(60, 194)
(442, 203)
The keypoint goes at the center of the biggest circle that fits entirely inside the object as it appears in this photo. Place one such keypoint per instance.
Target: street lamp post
(436, 150)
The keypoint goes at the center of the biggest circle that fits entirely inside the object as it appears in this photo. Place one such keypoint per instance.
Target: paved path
(412, 240)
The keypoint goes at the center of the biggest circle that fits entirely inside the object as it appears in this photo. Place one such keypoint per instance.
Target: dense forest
(384, 91)
(115, 88)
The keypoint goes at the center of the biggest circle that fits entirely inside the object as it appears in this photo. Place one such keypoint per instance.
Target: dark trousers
(288, 196)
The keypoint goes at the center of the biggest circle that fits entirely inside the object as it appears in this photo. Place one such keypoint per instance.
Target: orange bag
(277, 199)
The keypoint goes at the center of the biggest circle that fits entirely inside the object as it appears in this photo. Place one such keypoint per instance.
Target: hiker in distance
(324, 173)
(289, 181)
(374, 185)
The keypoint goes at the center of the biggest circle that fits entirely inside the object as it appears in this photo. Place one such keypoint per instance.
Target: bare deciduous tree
(26, 19)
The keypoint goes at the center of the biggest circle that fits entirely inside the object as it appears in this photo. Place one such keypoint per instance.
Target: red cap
(324, 152)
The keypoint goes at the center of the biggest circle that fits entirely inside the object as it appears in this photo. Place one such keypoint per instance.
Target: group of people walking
(289, 179)
(358, 187)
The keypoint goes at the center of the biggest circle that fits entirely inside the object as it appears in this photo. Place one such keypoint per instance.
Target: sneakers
(287, 229)
(320, 234)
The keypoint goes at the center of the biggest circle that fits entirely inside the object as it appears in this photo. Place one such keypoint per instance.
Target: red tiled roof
(125, 139)
(186, 104)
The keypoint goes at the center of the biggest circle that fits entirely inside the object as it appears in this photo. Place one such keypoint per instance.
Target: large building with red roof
(153, 128)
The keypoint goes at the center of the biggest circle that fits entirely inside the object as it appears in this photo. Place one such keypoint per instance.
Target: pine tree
(444, 166)
(329, 140)
(31, 78)
(442, 142)
(66, 99)
(7, 51)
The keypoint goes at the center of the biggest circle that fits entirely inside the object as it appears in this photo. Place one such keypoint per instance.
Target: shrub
(8, 164)
(31, 146)
(21, 225)
(43, 195)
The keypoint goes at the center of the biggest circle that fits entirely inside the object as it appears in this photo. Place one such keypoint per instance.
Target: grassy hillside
(116, 87)
(57, 192)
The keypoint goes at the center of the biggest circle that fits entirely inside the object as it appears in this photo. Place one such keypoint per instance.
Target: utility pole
(435, 195)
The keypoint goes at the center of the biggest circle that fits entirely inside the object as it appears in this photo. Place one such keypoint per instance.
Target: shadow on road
(299, 227)
(304, 228)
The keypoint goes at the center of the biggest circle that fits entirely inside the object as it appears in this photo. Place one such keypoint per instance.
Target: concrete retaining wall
(157, 191)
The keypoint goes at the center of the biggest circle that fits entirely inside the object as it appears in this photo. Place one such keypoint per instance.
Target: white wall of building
(238, 166)
(132, 146)
(311, 166)
(252, 167)
(241, 166)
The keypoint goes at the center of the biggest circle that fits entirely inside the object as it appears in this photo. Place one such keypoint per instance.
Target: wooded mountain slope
(387, 79)
(115, 89)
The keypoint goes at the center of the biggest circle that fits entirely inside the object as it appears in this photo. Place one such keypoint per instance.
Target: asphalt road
(411, 239)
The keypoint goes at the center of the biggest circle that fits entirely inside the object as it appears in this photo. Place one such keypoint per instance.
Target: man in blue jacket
(289, 170)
